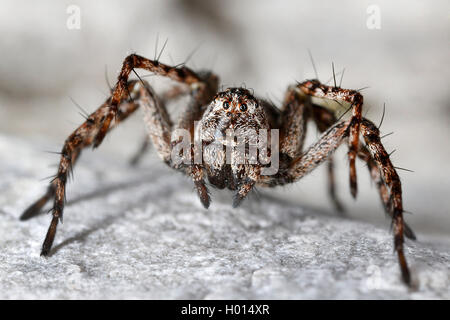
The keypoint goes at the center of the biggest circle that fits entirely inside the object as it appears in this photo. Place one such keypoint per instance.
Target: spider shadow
(106, 190)
(112, 218)
(307, 210)
(108, 220)
(81, 236)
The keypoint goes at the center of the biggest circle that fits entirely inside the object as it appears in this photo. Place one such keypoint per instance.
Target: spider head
(234, 109)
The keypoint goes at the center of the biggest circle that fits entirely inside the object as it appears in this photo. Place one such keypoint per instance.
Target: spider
(237, 109)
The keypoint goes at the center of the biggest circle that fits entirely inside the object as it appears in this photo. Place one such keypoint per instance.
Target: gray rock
(142, 233)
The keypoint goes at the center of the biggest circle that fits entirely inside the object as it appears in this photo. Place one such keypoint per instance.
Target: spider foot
(353, 183)
(406, 276)
(237, 200)
(45, 252)
(48, 242)
(203, 193)
(242, 192)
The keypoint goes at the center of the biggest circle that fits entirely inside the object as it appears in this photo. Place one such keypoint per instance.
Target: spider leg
(252, 176)
(159, 128)
(157, 121)
(79, 139)
(203, 86)
(332, 188)
(293, 124)
(316, 89)
(317, 153)
(197, 174)
(324, 119)
(87, 129)
(375, 174)
(371, 136)
(290, 121)
(83, 137)
(172, 94)
(322, 149)
(203, 89)
(295, 113)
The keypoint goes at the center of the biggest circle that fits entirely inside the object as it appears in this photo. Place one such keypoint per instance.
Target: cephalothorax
(210, 115)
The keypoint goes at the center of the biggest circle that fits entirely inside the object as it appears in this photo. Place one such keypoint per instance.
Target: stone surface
(140, 233)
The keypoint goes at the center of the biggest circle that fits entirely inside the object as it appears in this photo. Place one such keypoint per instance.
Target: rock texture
(142, 233)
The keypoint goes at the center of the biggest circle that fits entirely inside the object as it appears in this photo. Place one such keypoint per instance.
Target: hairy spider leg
(317, 89)
(297, 110)
(324, 119)
(91, 123)
(94, 129)
(180, 74)
(371, 135)
(375, 174)
(81, 138)
(171, 94)
(325, 146)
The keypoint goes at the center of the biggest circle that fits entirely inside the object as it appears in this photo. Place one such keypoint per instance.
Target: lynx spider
(237, 107)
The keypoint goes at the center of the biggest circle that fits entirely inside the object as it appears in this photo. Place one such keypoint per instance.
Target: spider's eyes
(226, 105)
(243, 107)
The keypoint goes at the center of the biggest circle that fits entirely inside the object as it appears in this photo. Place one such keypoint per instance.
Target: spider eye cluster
(242, 107)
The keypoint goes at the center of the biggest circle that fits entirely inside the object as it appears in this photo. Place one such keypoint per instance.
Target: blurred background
(52, 51)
